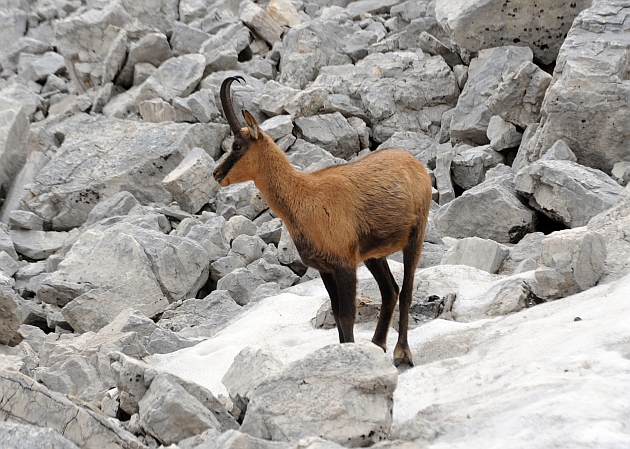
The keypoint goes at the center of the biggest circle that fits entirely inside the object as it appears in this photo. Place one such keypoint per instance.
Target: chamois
(340, 216)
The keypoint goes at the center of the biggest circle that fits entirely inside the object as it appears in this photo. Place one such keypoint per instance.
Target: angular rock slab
(343, 393)
(14, 127)
(567, 191)
(486, 255)
(124, 266)
(103, 156)
(10, 314)
(24, 400)
(27, 436)
(588, 102)
(490, 210)
(479, 24)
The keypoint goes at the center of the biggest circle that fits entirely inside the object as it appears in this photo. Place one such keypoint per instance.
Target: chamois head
(239, 164)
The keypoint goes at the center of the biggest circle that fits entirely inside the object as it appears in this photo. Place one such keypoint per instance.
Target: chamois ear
(252, 125)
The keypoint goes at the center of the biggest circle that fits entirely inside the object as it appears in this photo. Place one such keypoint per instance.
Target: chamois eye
(237, 147)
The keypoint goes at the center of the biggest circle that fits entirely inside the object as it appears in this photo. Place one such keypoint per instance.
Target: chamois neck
(282, 186)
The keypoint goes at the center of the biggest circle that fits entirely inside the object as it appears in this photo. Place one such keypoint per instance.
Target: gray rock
(493, 211)
(274, 97)
(250, 367)
(27, 436)
(270, 272)
(264, 291)
(225, 265)
(6, 243)
(559, 151)
(431, 45)
(621, 173)
(30, 100)
(597, 131)
(566, 191)
(471, 116)
(201, 105)
(8, 265)
(130, 320)
(52, 410)
(288, 253)
(39, 67)
(240, 199)
(236, 226)
(169, 413)
(519, 96)
(573, 261)
(309, 46)
(536, 25)
(130, 156)
(115, 57)
(147, 269)
(331, 132)
(486, 255)
(502, 134)
(261, 23)
(423, 147)
(309, 157)
(221, 50)
(528, 250)
(162, 341)
(119, 204)
(205, 317)
(10, 315)
(177, 77)
(345, 391)
(240, 283)
(233, 439)
(152, 48)
(13, 134)
(247, 248)
(278, 127)
(504, 297)
(157, 110)
(191, 183)
(187, 39)
(613, 226)
(470, 165)
(133, 379)
(525, 150)
(37, 245)
(443, 181)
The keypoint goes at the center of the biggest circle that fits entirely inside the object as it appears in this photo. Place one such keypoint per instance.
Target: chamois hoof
(400, 360)
(402, 356)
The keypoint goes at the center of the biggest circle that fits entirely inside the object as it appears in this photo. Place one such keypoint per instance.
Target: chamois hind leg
(411, 257)
(389, 294)
(331, 288)
(346, 279)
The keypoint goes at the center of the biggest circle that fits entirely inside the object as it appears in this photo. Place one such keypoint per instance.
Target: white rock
(191, 183)
(485, 255)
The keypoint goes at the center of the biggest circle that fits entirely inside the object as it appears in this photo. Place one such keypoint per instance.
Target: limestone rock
(345, 395)
(536, 25)
(177, 77)
(240, 283)
(10, 315)
(470, 165)
(27, 436)
(261, 23)
(240, 199)
(191, 183)
(482, 254)
(566, 191)
(331, 132)
(471, 117)
(502, 134)
(37, 244)
(14, 126)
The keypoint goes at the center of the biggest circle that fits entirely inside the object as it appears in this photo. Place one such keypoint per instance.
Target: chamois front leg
(346, 279)
(389, 294)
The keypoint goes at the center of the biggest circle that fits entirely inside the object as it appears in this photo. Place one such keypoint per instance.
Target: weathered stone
(345, 391)
(240, 199)
(278, 127)
(283, 13)
(162, 341)
(38, 68)
(30, 100)
(14, 126)
(309, 46)
(240, 284)
(8, 265)
(250, 367)
(233, 439)
(10, 315)
(157, 110)
(621, 173)
(191, 183)
(130, 320)
(27, 436)
(37, 244)
(187, 39)
(443, 182)
(288, 253)
(331, 132)
(130, 156)
(486, 255)
(200, 317)
(493, 211)
(6, 243)
(566, 191)
(471, 116)
(431, 45)
(587, 103)
(573, 261)
(528, 249)
(222, 49)
(177, 77)
(201, 105)
(541, 25)
(309, 157)
(502, 134)
(559, 151)
(519, 96)
(170, 414)
(236, 226)
(119, 204)
(133, 379)
(247, 248)
(153, 48)
(261, 23)
(270, 272)
(470, 165)
(614, 225)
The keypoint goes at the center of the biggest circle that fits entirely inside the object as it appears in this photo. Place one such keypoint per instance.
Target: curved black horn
(226, 103)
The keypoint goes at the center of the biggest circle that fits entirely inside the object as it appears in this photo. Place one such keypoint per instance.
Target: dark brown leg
(389, 294)
(411, 257)
(346, 278)
(331, 288)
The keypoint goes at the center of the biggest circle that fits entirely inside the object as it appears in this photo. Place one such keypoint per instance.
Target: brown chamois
(340, 216)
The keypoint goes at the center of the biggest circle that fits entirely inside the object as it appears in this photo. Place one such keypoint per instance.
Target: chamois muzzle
(226, 103)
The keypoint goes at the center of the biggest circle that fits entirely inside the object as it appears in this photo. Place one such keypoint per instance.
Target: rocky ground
(142, 305)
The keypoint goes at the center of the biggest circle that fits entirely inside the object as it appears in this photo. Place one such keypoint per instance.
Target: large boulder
(27, 436)
(14, 127)
(124, 266)
(343, 393)
(479, 24)
(92, 165)
(10, 314)
(588, 102)
(471, 116)
(567, 191)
